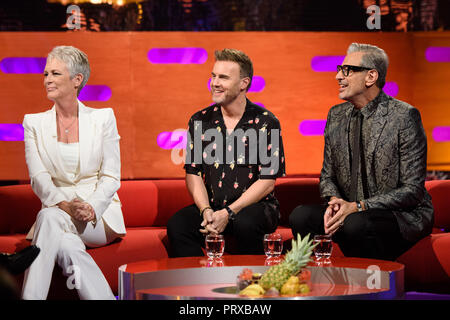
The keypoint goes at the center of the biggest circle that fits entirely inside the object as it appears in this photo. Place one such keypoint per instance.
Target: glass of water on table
(273, 245)
(323, 248)
(214, 245)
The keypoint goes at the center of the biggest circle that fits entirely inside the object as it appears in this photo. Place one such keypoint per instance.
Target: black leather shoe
(17, 263)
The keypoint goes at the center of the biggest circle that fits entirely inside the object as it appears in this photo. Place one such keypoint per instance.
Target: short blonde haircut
(245, 64)
(75, 60)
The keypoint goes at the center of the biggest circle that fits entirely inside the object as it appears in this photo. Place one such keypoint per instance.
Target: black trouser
(247, 230)
(371, 233)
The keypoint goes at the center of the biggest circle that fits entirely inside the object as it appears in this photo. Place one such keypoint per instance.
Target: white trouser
(62, 240)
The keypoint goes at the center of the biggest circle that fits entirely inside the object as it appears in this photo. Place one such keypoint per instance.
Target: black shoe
(17, 263)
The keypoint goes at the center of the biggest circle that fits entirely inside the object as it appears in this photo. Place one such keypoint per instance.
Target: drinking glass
(273, 245)
(323, 248)
(215, 245)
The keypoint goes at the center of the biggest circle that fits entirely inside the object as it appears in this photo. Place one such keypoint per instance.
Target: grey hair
(75, 60)
(373, 57)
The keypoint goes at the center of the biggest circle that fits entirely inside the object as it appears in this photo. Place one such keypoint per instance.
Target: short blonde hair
(245, 64)
(75, 60)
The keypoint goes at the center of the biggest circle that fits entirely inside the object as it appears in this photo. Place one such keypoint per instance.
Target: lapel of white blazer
(50, 139)
(86, 131)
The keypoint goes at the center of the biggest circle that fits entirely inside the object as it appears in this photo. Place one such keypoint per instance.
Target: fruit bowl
(247, 284)
(289, 277)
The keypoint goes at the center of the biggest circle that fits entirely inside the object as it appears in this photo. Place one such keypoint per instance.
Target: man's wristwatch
(358, 205)
(231, 213)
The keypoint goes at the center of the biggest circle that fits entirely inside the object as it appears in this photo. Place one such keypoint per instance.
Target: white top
(70, 154)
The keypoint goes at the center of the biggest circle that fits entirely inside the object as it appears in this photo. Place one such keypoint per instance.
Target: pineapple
(293, 262)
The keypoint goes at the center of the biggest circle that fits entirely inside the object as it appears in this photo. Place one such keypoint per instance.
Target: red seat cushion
(139, 244)
(440, 191)
(10, 243)
(172, 196)
(139, 202)
(291, 192)
(18, 209)
(427, 264)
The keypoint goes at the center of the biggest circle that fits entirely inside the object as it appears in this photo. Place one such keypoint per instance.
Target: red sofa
(148, 204)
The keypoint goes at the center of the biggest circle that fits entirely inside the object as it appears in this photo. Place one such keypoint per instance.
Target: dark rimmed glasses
(346, 69)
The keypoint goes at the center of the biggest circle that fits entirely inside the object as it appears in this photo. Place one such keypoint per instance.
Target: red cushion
(139, 244)
(10, 243)
(440, 191)
(291, 192)
(286, 233)
(139, 202)
(427, 264)
(172, 196)
(18, 209)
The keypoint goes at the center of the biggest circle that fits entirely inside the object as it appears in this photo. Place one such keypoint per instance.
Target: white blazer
(99, 173)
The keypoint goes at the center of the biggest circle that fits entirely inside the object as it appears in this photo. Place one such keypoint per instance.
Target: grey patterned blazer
(396, 161)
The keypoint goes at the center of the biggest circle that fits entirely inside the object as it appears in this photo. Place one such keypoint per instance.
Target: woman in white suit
(73, 158)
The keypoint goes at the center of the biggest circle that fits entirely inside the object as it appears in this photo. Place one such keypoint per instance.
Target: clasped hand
(214, 221)
(335, 214)
(81, 211)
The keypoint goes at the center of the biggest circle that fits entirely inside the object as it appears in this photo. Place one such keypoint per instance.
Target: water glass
(273, 245)
(323, 248)
(215, 245)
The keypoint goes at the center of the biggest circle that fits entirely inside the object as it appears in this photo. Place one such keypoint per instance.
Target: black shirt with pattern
(366, 127)
(228, 169)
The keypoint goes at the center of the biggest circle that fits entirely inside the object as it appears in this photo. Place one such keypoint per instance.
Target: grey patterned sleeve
(412, 151)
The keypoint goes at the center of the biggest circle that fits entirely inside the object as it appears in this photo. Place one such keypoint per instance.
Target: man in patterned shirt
(374, 166)
(234, 155)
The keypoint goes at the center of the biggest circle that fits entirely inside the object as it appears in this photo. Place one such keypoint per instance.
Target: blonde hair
(75, 60)
(245, 64)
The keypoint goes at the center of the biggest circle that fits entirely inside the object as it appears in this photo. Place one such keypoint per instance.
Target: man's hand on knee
(220, 220)
(217, 224)
(334, 221)
(331, 210)
(207, 222)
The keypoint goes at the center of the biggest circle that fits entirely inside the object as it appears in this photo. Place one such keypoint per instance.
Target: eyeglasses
(346, 68)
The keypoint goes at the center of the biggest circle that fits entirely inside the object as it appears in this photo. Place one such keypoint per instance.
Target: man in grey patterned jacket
(374, 166)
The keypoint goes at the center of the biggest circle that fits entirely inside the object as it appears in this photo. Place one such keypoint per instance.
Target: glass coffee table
(197, 278)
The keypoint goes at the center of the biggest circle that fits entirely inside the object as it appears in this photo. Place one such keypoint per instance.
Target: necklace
(66, 129)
